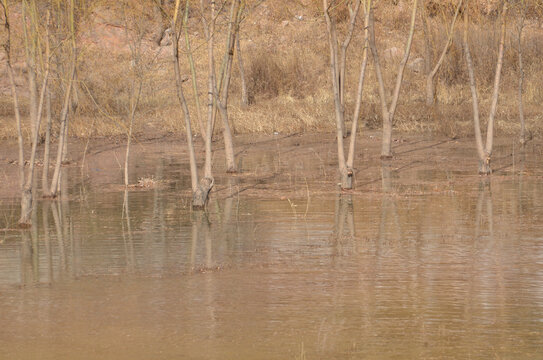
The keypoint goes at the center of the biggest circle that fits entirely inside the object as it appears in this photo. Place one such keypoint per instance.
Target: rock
(417, 65)
(166, 39)
(393, 54)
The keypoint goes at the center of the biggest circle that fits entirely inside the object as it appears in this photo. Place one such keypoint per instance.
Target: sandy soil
(298, 165)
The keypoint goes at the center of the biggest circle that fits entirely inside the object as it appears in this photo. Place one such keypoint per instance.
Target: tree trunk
(496, 90)
(55, 182)
(200, 189)
(26, 208)
(222, 102)
(386, 142)
(485, 151)
(199, 118)
(387, 130)
(523, 137)
(33, 94)
(353, 13)
(388, 112)
(47, 144)
(428, 58)
(209, 31)
(27, 184)
(184, 107)
(356, 115)
(381, 88)
(201, 195)
(334, 68)
(129, 137)
(484, 159)
(337, 71)
(62, 142)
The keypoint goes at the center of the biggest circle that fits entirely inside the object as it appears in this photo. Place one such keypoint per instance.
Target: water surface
(448, 275)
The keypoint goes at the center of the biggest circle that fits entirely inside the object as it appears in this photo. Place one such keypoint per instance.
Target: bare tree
(54, 187)
(485, 151)
(188, 49)
(388, 111)
(220, 90)
(47, 143)
(430, 78)
(31, 46)
(135, 32)
(200, 189)
(338, 74)
(26, 178)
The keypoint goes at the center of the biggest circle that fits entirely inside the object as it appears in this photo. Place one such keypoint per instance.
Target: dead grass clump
(452, 121)
(106, 84)
(147, 182)
(271, 75)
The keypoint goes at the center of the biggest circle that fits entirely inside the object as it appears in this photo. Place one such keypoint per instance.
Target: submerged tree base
(484, 167)
(26, 208)
(201, 195)
(346, 175)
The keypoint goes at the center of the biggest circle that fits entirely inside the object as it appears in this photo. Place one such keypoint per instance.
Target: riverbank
(284, 166)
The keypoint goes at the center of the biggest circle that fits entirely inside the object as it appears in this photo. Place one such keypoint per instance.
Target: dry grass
(286, 57)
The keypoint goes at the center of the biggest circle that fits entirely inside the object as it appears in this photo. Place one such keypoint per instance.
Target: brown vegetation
(285, 54)
(286, 60)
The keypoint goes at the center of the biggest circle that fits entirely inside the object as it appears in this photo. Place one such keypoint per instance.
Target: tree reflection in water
(390, 228)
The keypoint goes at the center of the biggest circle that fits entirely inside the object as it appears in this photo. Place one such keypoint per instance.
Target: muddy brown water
(405, 273)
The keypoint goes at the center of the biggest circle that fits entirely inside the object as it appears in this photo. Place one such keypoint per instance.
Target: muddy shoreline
(295, 165)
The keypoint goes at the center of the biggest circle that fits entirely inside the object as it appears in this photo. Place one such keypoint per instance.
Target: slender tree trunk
(484, 151)
(33, 94)
(26, 198)
(380, 83)
(496, 89)
(30, 44)
(54, 189)
(353, 13)
(389, 112)
(523, 137)
(130, 128)
(200, 189)
(387, 130)
(484, 159)
(134, 39)
(346, 174)
(222, 102)
(184, 107)
(354, 128)
(199, 118)
(47, 144)
(26, 182)
(210, 36)
(55, 181)
(29, 184)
